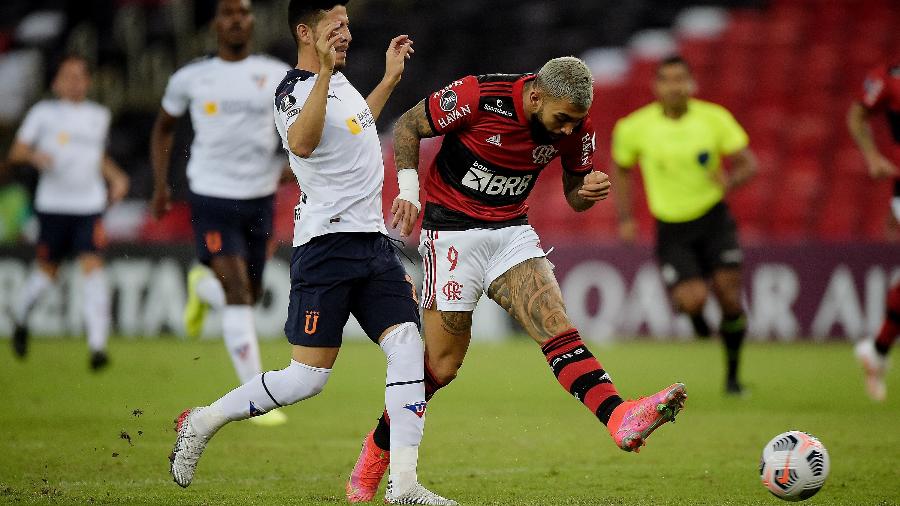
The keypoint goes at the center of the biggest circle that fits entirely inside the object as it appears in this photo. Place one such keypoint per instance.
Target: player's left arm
(582, 185)
(734, 147)
(743, 167)
(584, 190)
(116, 178)
(398, 51)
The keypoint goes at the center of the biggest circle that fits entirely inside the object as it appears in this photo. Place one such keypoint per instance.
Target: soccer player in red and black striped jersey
(500, 131)
(880, 95)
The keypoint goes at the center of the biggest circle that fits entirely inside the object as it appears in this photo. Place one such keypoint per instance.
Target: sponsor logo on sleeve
(448, 100)
(588, 145)
(454, 115)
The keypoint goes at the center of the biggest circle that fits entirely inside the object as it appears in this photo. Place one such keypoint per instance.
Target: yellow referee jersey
(679, 158)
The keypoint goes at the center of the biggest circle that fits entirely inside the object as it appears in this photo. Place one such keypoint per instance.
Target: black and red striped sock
(891, 327)
(382, 435)
(581, 374)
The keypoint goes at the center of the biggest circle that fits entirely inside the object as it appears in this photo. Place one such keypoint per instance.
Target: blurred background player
(680, 143)
(65, 140)
(880, 94)
(343, 261)
(233, 174)
(500, 131)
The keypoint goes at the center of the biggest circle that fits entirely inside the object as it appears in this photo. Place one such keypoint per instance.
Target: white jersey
(233, 155)
(341, 181)
(74, 135)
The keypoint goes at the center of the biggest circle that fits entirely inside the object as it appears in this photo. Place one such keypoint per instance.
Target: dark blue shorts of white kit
(339, 274)
(233, 227)
(63, 236)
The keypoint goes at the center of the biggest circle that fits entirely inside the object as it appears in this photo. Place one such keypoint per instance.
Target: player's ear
(305, 34)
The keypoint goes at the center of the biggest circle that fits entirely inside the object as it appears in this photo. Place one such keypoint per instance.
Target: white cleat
(874, 366)
(189, 447)
(416, 495)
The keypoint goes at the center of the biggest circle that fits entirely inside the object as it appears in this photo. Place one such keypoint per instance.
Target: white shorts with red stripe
(460, 265)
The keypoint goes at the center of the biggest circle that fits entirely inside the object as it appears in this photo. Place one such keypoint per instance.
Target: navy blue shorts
(336, 275)
(65, 236)
(233, 227)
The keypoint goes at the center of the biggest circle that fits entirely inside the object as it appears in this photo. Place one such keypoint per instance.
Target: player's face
(554, 119)
(234, 23)
(674, 85)
(72, 81)
(337, 15)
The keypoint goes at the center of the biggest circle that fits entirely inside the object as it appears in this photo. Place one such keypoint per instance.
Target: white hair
(567, 78)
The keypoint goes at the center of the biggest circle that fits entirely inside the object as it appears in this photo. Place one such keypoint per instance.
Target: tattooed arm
(410, 129)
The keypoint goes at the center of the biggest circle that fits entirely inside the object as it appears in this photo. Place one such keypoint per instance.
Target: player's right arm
(624, 158)
(23, 151)
(858, 124)
(873, 98)
(447, 110)
(410, 129)
(305, 133)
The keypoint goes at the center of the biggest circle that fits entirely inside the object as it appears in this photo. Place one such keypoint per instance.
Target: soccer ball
(794, 465)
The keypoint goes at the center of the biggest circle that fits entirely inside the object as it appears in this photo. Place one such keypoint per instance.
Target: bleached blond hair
(567, 78)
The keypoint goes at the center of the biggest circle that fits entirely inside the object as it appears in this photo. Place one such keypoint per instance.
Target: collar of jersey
(517, 97)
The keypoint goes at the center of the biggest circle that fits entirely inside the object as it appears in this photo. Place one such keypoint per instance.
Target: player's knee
(300, 382)
(444, 370)
(690, 298)
(236, 292)
(403, 346)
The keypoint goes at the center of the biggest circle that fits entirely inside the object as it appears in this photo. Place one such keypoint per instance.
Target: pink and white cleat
(632, 422)
(367, 473)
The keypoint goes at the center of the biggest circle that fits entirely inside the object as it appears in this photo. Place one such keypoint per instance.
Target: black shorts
(694, 249)
(339, 274)
(233, 227)
(65, 236)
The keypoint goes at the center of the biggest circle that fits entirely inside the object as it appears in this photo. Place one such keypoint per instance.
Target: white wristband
(408, 181)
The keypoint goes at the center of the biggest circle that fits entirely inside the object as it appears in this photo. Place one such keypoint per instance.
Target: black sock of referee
(382, 435)
(733, 330)
(701, 328)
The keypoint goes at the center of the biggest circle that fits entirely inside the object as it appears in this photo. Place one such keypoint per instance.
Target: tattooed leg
(530, 294)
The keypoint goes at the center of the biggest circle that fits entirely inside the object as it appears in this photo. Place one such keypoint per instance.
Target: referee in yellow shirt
(679, 143)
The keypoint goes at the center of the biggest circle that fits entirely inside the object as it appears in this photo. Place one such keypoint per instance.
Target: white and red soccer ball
(794, 465)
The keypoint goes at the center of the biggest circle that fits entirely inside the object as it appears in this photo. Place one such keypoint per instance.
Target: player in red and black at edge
(880, 95)
(500, 131)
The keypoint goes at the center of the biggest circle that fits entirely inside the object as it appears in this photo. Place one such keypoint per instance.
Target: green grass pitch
(503, 433)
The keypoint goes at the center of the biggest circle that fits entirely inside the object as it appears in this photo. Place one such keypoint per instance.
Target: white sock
(404, 398)
(37, 283)
(266, 391)
(240, 339)
(96, 309)
(210, 291)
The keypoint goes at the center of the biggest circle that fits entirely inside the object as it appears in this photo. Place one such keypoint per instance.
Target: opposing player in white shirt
(342, 261)
(233, 173)
(65, 140)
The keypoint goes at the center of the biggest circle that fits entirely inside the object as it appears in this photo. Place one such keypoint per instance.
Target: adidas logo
(494, 139)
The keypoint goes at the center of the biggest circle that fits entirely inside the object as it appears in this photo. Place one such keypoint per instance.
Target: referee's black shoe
(20, 341)
(99, 360)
